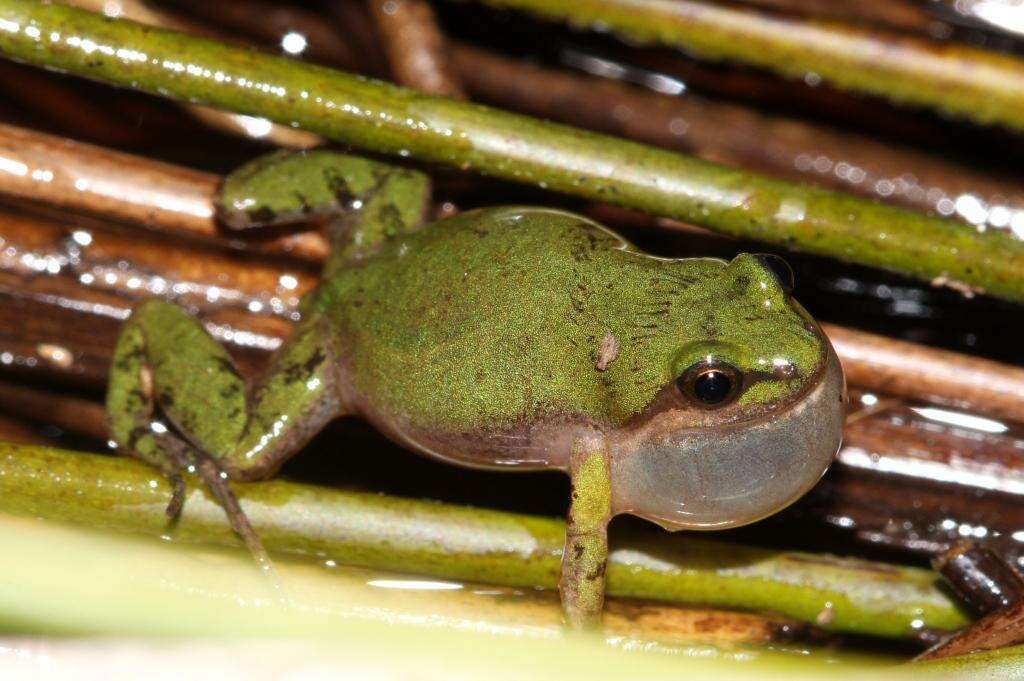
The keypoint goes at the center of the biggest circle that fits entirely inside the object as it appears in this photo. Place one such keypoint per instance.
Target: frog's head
(753, 413)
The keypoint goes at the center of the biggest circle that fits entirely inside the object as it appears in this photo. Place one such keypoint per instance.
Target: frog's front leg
(220, 426)
(362, 202)
(164, 359)
(581, 584)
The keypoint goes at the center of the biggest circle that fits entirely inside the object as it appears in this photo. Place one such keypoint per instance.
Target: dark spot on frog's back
(339, 187)
(304, 206)
(261, 215)
(230, 390)
(392, 220)
(739, 286)
(225, 364)
(588, 232)
(708, 326)
(135, 435)
(125, 362)
(303, 371)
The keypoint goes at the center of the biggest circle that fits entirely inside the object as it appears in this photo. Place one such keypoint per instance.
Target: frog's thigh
(165, 357)
(130, 407)
(581, 584)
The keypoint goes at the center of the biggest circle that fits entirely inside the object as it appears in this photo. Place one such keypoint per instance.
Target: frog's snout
(714, 478)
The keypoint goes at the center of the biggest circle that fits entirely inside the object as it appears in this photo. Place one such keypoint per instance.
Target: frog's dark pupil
(712, 386)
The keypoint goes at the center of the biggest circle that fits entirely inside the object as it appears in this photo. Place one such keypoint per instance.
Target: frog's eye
(780, 269)
(710, 384)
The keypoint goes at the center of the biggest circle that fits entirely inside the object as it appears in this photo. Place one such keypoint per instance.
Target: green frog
(695, 393)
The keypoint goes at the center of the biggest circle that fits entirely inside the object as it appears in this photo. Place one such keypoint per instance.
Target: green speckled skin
(500, 337)
(498, 314)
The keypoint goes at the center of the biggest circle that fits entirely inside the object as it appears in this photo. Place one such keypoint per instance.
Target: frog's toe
(177, 502)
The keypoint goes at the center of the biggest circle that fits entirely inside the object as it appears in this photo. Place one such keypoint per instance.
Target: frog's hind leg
(362, 203)
(167, 367)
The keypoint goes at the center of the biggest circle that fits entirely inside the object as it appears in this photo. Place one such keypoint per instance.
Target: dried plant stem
(393, 120)
(997, 630)
(416, 49)
(906, 482)
(246, 126)
(918, 372)
(66, 289)
(75, 414)
(980, 577)
(47, 255)
(1002, 16)
(902, 14)
(123, 187)
(987, 87)
(14, 430)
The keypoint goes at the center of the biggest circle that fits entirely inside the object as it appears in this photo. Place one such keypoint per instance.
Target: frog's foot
(172, 455)
(216, 481)
(176, 402)
(186, 458)
(177, 460)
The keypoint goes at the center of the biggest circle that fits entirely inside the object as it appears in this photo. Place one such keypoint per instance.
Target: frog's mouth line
(687, 477)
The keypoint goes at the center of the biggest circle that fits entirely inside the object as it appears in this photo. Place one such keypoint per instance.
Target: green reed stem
(984, 86)
(478, 545)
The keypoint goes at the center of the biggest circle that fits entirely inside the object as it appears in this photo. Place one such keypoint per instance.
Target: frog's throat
(715, 478)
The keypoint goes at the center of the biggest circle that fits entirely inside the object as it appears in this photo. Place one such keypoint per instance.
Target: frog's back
(480, 320)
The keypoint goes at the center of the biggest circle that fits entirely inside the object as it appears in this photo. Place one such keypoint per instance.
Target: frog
(693, 392)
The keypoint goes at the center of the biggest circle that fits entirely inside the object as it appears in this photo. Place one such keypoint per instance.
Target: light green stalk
(100, 601)
(378, 531)
(393, 120)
